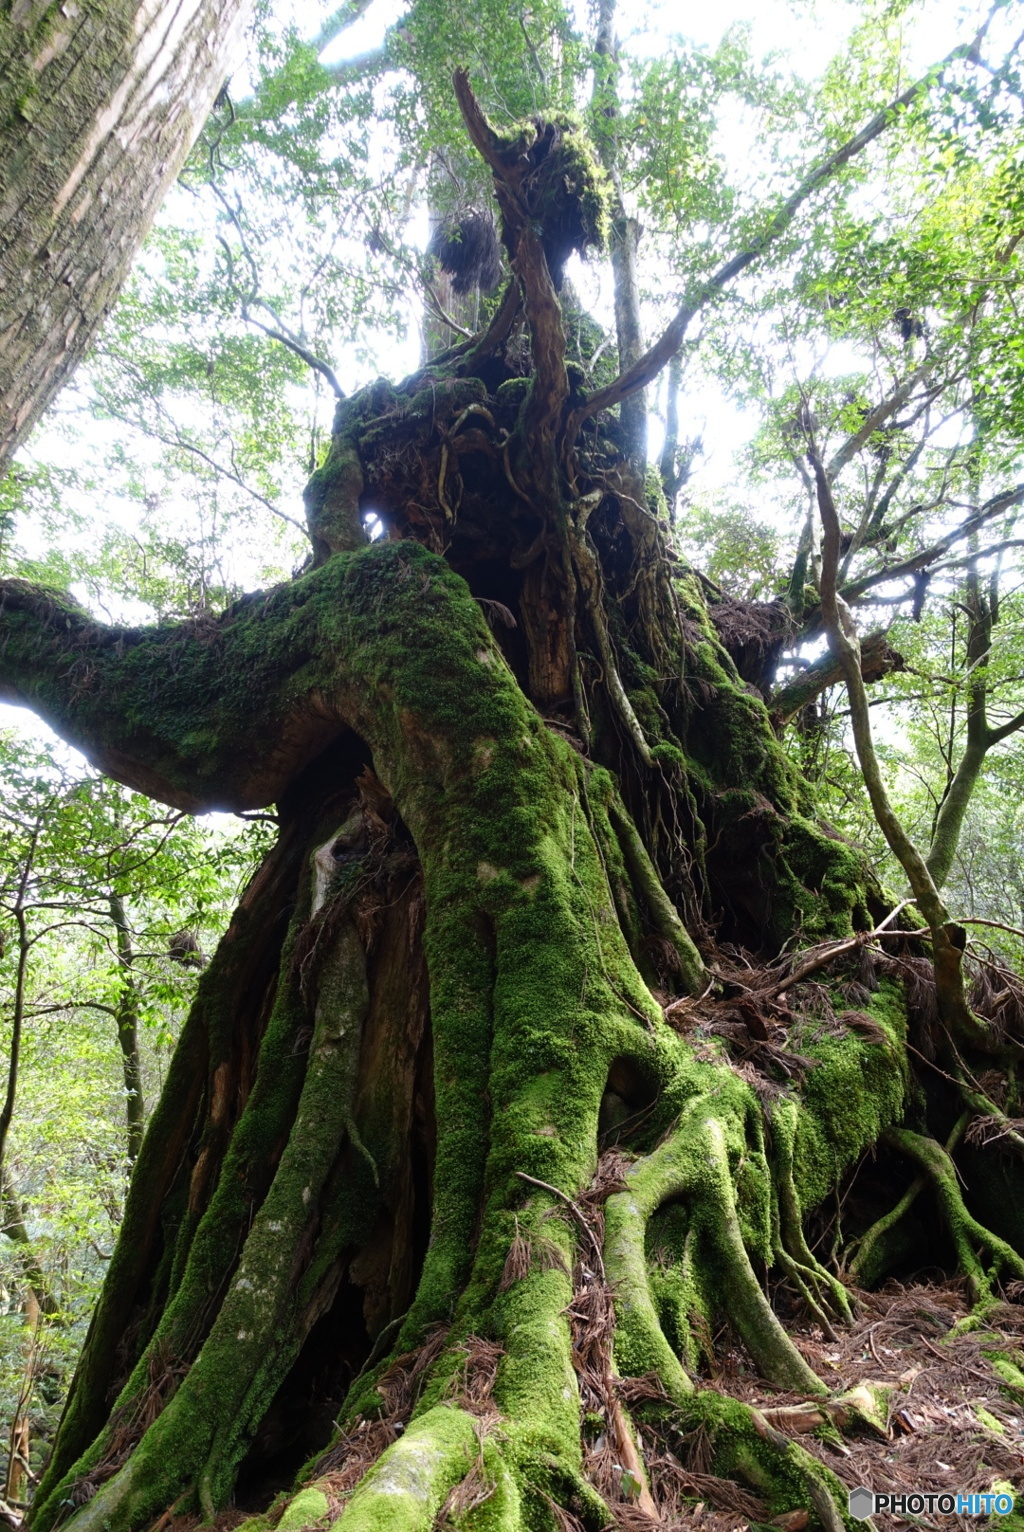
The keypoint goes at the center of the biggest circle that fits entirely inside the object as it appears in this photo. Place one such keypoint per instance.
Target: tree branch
(877, 417)
(1004, 730)
(182, 444)
(877, 659)
(947, 940)
(550, 385)
(960, 787)
(280, 332)
(156, 708)
(339, 22)
(918, 561)
(223, 712)
(650, 364)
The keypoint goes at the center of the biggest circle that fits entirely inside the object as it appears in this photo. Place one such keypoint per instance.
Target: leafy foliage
(71, 842)
(881, 331)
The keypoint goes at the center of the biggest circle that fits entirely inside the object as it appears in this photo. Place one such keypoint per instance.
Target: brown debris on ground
(130, 1423)
(954, 1424)
(472, 1387)
(342, 1466)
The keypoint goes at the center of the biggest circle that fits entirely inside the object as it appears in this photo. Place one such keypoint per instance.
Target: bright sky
(808, 33)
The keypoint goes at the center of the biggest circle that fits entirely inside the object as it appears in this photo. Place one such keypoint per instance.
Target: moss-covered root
(866, 1263)
(966, 1231)
(752, 1314)
(646, 883)
(745, 1446)
(204, 1429)
(822, 1291)
(411, 1483)
(408, 1485)
(694, 1164)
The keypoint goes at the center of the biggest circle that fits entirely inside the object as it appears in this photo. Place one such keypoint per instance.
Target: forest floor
(955, 1423)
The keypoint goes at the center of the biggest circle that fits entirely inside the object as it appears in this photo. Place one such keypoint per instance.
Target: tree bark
(20, 1438)
(981, 610)
(625, 236)
(128, 1031)
(497, 1100)
(98, 108)
(342, 1209)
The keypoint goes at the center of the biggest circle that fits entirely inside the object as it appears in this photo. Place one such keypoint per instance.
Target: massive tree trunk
(490, 1110)
(98, 107)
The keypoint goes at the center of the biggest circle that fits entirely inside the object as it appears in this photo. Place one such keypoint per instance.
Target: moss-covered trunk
(495, 1104)
(445, 1040)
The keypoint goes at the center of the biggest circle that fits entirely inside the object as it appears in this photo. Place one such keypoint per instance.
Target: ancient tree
(497, 1098)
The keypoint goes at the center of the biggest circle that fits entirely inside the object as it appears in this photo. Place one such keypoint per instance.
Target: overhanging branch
(1004, 501)
(225, 712)
(947, 939)
(877, 659)
(668, 343)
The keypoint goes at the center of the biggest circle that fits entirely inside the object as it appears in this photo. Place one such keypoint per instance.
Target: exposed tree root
(822, 1291)
(951, 1410)
(967, 1233)
(423, 1181)
(867, 1244)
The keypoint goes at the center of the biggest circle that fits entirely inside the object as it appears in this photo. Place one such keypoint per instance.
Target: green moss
(654, 493)
(407, 1487)
(668, 754)
(534, 996)
(332, 497)
(308, 1509)
(509, 400)
(501, 1510)
(988, 1420)
(753, 1204)
(857, 1090)
(1010, 1372)
(776, 1469)
(444, 397)
(567, 192)
(678, 1293)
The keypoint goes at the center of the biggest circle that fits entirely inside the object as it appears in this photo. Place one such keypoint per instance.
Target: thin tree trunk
(14, 1228)
(953, 810)
(128, 1030)
(625, 234)
(18, 1469)
(947, 939)
(18, 1013)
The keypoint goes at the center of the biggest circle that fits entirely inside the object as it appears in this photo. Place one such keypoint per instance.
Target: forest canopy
(526, 587)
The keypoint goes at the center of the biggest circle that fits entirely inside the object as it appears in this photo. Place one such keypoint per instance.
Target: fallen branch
(828, 952)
